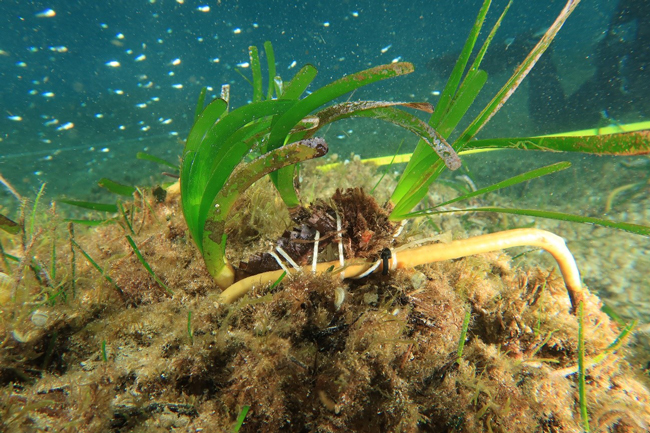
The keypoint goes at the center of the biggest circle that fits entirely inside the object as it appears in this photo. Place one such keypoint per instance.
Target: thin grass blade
(200, 103)
(256, 68)
(270, 64)
(32, 219)
(561, 216)
(466, 96)
(624, 144)
(96, 266)
(146, 265)
(517, 77)
(461, 63)
(148, 157)
(524, 177)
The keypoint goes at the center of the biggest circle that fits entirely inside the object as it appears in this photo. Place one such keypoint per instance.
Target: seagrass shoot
(279, 127)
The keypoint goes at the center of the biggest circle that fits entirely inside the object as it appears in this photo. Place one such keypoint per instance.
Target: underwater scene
(372, 216)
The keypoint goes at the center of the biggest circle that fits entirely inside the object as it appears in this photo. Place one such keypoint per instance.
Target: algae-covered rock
(313, 353)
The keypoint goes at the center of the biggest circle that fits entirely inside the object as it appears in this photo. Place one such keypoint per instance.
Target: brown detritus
(365, 231)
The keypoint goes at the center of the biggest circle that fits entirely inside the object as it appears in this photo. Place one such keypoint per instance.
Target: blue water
(87, 84)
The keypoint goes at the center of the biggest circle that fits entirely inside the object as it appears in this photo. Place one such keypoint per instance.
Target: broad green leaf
(214, 237)
(8, 225)
(102, 207)
(218, 152)
(91, 223)
(285, 123)
(299, 82)
(116, 188)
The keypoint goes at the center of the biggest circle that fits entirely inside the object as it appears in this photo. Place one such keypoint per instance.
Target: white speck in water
(65, 126)
(386, 48)
(47, 13)
(113, 64)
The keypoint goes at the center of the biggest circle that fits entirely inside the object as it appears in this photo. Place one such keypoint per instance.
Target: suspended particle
(47, 13)
(65, 126)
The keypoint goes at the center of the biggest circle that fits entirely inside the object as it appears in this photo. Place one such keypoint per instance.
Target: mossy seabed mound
(312, 354)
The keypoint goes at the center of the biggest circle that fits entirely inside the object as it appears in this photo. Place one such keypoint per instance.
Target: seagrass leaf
(628, 227)
(625, 143)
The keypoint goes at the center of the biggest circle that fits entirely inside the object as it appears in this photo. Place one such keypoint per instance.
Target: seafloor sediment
(314, 353)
